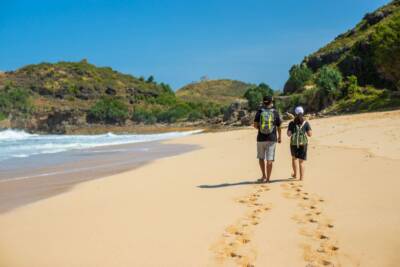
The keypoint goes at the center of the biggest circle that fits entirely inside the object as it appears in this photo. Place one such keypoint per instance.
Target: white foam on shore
(20, 144)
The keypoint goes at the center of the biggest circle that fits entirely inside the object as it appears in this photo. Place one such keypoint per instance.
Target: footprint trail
(320, 247)
(235, 246)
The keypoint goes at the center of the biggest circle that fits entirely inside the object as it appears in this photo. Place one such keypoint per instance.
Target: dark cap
(267, 99)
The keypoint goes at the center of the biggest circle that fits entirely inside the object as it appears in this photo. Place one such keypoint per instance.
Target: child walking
(299, 130)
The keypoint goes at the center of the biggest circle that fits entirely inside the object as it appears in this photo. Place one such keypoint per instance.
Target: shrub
(174, 113)
(2, 116)
(329, 81)
(166, 99)
(195, 115)
(15, 100)
(166, 88)
(212, 110)
(109, 110)
(367, 99)
(144, 116)
(351, 89)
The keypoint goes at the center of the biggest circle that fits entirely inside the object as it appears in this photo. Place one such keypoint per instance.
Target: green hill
(81, 82)
(365, 61)
(62, 96)
(221, 92)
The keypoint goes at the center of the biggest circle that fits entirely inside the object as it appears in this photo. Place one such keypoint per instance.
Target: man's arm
(289, 129)
(278, 123)
(279, 134)
(256, 120)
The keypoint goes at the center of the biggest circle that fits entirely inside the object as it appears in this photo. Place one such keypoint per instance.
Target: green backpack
(267, 121)
(299, 137)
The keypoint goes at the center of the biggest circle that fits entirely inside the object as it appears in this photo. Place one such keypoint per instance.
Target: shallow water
(19, 144)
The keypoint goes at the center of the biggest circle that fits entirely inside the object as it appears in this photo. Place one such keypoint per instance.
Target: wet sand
(27, 180)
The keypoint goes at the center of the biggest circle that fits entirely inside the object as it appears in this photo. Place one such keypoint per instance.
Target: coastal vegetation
(71, 93)
(108, 110)
(14, 101)
(358, 71)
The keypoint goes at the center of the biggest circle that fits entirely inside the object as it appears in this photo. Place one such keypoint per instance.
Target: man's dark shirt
(272, 137)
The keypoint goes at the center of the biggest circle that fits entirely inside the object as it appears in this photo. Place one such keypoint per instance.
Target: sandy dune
(203, 209)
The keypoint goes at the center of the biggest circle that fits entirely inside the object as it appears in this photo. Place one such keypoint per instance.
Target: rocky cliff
(370, 51)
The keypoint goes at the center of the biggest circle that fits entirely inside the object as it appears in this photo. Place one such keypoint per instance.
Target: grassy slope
(217, 91)
(360, 32)
(373, 72)
(74, 85)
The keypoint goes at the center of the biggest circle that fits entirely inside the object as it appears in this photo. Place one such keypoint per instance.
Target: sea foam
(20, 144)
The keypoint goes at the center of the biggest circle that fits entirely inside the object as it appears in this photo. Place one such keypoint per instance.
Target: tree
(299, 75)
(166, 88)
(150, 79)
(255, 95)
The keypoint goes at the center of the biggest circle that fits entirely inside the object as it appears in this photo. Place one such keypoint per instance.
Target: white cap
(299, 110)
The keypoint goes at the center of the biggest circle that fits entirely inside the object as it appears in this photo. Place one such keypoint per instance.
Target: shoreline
(67, 169)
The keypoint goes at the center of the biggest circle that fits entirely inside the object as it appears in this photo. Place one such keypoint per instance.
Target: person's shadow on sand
(205, 186)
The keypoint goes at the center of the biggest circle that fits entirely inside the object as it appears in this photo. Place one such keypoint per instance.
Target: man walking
(268, 123)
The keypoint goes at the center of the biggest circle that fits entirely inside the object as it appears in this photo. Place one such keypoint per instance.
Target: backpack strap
(302, 125)
(298, 132)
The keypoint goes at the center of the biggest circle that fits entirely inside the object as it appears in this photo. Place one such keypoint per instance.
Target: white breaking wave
(10, 134)
(19, 144)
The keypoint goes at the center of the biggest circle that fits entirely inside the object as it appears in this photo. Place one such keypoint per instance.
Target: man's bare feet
(262, 180)
(294, 175)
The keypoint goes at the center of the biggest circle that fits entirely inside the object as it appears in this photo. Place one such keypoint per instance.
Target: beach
(203, 207)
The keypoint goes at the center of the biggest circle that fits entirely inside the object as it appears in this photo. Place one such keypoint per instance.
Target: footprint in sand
(320, 247)
(235, 243)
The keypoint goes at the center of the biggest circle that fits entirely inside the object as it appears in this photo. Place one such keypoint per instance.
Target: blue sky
(177, 41)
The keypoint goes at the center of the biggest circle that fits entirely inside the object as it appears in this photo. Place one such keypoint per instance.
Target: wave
(20, 144)
(10, 134)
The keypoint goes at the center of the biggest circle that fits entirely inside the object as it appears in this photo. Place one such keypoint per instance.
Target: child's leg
(294, 167)
(301, 167)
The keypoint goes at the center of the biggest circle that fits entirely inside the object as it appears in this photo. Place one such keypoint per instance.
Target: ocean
(19, 144)
(33, 167)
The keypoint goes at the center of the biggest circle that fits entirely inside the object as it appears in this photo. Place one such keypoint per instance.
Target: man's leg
(294, 167)
(302, 170)
(269, 169)
(270, 158)
(261, 148)
(262, 167)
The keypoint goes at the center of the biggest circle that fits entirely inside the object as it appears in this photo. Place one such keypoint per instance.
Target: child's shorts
(299, 152)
